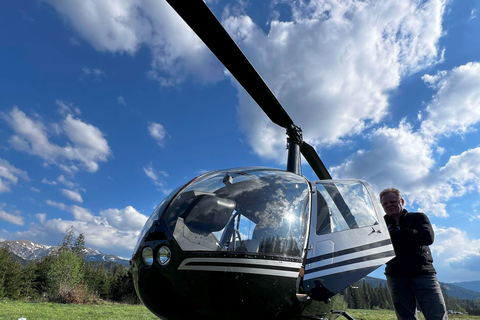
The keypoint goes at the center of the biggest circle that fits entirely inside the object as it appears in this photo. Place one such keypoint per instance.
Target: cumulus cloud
(456, 252)
(455, 107)
(12, 218)
(124, 26)
(334, 64)
(9, 175)
(403, 157)
(86, 148)
(157, 132)
(81, 214)
(113, 231)
(127, 219)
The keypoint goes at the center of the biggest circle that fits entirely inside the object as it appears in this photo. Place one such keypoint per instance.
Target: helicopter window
(343, 206)
(323, 216)
(253, 210)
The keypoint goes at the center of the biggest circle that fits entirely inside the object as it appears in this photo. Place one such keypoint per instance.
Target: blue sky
(105, 107)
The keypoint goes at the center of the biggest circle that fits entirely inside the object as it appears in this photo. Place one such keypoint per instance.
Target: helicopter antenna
(204, 23)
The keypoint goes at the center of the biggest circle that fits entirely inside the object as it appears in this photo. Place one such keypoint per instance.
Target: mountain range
(469, 290)
(29, 250)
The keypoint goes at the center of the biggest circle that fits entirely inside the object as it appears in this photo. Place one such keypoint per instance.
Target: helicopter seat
(252, 245)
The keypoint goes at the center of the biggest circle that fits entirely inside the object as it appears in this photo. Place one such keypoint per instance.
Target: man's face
(392, 205)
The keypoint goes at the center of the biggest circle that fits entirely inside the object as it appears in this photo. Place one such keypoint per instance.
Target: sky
(108, 106)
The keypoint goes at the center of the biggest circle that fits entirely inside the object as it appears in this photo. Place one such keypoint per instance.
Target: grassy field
(390, 315)
(13, 310)
(54, 311)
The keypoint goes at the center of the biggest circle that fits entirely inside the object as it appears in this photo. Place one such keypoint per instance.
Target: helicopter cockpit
(254, 211)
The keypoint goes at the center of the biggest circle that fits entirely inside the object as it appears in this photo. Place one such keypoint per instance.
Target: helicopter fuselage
(256, 243)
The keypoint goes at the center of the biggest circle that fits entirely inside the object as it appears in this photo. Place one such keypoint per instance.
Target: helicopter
(257, 242)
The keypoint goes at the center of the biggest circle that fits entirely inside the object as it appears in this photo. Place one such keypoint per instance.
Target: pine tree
(10, 275)
(65, 278)
(79, 245)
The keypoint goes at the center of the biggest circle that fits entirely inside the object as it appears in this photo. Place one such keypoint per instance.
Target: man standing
(411, 277)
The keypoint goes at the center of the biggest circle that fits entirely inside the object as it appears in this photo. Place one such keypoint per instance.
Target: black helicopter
(253, 242)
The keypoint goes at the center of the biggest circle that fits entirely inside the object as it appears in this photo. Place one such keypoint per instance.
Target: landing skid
(342, 313)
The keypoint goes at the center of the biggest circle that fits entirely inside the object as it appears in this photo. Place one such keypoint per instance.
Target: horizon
(107, 107)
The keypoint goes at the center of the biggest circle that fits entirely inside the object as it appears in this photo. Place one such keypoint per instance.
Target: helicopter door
(348, 237)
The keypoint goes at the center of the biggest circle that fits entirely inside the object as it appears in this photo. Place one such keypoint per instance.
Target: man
(411, 277)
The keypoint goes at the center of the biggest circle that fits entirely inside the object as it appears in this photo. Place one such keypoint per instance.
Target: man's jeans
(425, 290)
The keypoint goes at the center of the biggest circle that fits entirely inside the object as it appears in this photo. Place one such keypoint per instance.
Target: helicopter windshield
(251, 210)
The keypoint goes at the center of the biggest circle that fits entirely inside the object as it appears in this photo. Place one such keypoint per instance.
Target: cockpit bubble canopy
(253, 210)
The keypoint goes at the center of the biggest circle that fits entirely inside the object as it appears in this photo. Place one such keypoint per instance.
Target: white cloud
(113, 231)
(456, 254)
(398, 157)
(455, 107)
(124, 26)
(88, 146)
(46, 181)
(41, 217)
(403, 158)
(158, 132)
(9, 175)
(66, 182)
(72, 195)
(12, 218)
(66, 108)
(58, 205)
(332, 66)
(97, 73)
(81, 214)
(158, 178)
(127, 219)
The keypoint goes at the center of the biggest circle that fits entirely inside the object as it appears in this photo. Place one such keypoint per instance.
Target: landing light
(147, 256)
(163, 256)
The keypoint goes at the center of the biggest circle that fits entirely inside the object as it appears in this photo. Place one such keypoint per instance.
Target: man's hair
(391, 190)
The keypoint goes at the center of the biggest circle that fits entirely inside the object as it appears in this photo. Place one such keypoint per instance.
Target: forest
(65, 277)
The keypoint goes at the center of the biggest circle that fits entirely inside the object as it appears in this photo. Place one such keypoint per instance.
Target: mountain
(470, 285)
(28, 250)
(460, 290)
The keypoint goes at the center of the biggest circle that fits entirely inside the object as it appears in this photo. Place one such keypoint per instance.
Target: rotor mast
(294, 140)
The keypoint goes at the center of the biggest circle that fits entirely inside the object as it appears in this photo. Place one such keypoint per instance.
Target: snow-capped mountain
(29, 250)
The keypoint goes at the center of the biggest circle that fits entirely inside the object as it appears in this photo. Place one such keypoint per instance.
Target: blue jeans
(424, 290)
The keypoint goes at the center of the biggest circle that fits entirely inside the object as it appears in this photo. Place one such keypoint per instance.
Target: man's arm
(420, 233)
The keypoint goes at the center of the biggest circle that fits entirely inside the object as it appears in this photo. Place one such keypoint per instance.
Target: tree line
(362, 295)
(65, 277)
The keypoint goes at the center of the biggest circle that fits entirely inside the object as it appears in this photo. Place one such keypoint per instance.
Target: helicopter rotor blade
(314, 161)
(204, 23)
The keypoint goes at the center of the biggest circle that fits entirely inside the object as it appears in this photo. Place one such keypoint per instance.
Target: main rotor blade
(314, 161)
(203, 22)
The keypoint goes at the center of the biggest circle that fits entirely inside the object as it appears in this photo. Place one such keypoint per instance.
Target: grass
(360, 314)
(54, 311)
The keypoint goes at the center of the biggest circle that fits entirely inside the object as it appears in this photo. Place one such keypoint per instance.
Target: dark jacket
(410, 239)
